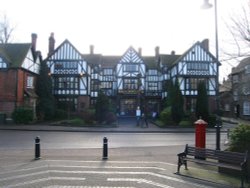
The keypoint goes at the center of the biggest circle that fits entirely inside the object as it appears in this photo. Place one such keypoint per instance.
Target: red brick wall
(12, 85)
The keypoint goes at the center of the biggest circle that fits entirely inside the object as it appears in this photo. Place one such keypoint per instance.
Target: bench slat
(226, 159)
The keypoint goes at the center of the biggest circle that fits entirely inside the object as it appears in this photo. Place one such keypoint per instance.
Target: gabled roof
(65, 42)
(241, 66)
(169, 60)
(226, 86)
(14, 53)
(104, 61)
(131, 56)
(150, 62)
(110, 61)
(181, 57)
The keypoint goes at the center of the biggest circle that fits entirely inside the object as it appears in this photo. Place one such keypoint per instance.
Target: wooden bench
(225, 159)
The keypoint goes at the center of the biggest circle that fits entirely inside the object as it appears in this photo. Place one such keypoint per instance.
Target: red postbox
(200, 133)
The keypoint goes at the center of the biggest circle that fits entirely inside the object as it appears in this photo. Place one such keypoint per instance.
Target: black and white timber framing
(130, 80)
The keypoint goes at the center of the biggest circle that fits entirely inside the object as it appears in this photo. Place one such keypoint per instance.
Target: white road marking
(121, 162)
(106, 173)
(70, 166)
(43, 180)
(140, 181)
(61, 186)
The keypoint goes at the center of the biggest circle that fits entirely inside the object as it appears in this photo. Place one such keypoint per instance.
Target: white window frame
(30, 82)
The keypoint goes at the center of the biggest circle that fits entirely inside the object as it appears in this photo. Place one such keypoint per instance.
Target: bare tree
(5, 29)
(239, 27)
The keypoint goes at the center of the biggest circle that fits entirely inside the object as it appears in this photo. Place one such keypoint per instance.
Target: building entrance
(127, 107)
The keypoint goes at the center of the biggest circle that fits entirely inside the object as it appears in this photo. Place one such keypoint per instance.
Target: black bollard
(105, 149)
(37, 148)
(218, 127)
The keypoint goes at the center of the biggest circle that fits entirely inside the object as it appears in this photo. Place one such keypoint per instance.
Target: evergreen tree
(46, 101)
(177, 103)
(202, 109)
(168, 100)
(102, 107)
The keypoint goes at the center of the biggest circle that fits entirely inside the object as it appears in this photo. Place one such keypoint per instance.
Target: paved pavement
(145, 167)
(123, 125)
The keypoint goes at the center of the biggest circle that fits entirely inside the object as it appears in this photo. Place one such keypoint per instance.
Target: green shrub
(213, 120)
(185, 123)
(110, 118)
(166, 116)
(77, 121)
(22, 115)
(60, 114)
(89, 116)
(240, 139)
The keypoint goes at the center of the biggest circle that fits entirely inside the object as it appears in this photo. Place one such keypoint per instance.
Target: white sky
(114, 25)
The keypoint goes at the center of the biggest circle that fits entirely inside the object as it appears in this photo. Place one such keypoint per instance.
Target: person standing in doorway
(138, 116)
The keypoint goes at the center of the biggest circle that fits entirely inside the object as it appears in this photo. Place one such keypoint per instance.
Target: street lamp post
(207, 5)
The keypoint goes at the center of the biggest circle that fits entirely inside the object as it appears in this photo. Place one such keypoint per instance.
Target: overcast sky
(114, 25)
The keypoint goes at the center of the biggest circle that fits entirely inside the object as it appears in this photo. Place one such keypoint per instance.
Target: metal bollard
(105, 149)
(37, 148)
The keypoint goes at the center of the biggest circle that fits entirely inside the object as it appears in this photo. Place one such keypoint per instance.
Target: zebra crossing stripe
(43, 180)
(140, 181)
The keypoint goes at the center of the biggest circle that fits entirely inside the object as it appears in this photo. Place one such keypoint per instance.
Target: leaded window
(153, 86)
(192, 83)
(152, 78)
(152, 72)
(198, 68)
(130, 84)
(107, 71)
(94, 85)
(202, 66)
(130, 68)
(66, 67)
(66, 83)
(106, 85)
(107, 78)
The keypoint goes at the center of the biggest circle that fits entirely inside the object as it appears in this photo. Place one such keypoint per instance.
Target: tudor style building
(130, 80)
(19, 67)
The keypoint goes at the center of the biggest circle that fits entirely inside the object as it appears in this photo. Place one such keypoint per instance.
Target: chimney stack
(51, 43)
(33, 41)
(157, 51)
(172, 52)
(91, 48)
(139, 51)
(205, 44)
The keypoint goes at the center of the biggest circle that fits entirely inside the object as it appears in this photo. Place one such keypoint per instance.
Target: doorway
(127, 107)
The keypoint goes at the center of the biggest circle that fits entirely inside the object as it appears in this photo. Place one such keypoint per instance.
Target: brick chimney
(157, 51)
(172, 52)
(91, 49)
(33, 41)
(205, 44)
(51, 43)
(139, 51)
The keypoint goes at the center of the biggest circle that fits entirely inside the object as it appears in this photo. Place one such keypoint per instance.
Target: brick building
(19, 67)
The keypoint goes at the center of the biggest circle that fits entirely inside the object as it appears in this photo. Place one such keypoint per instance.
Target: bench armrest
(183, 154)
